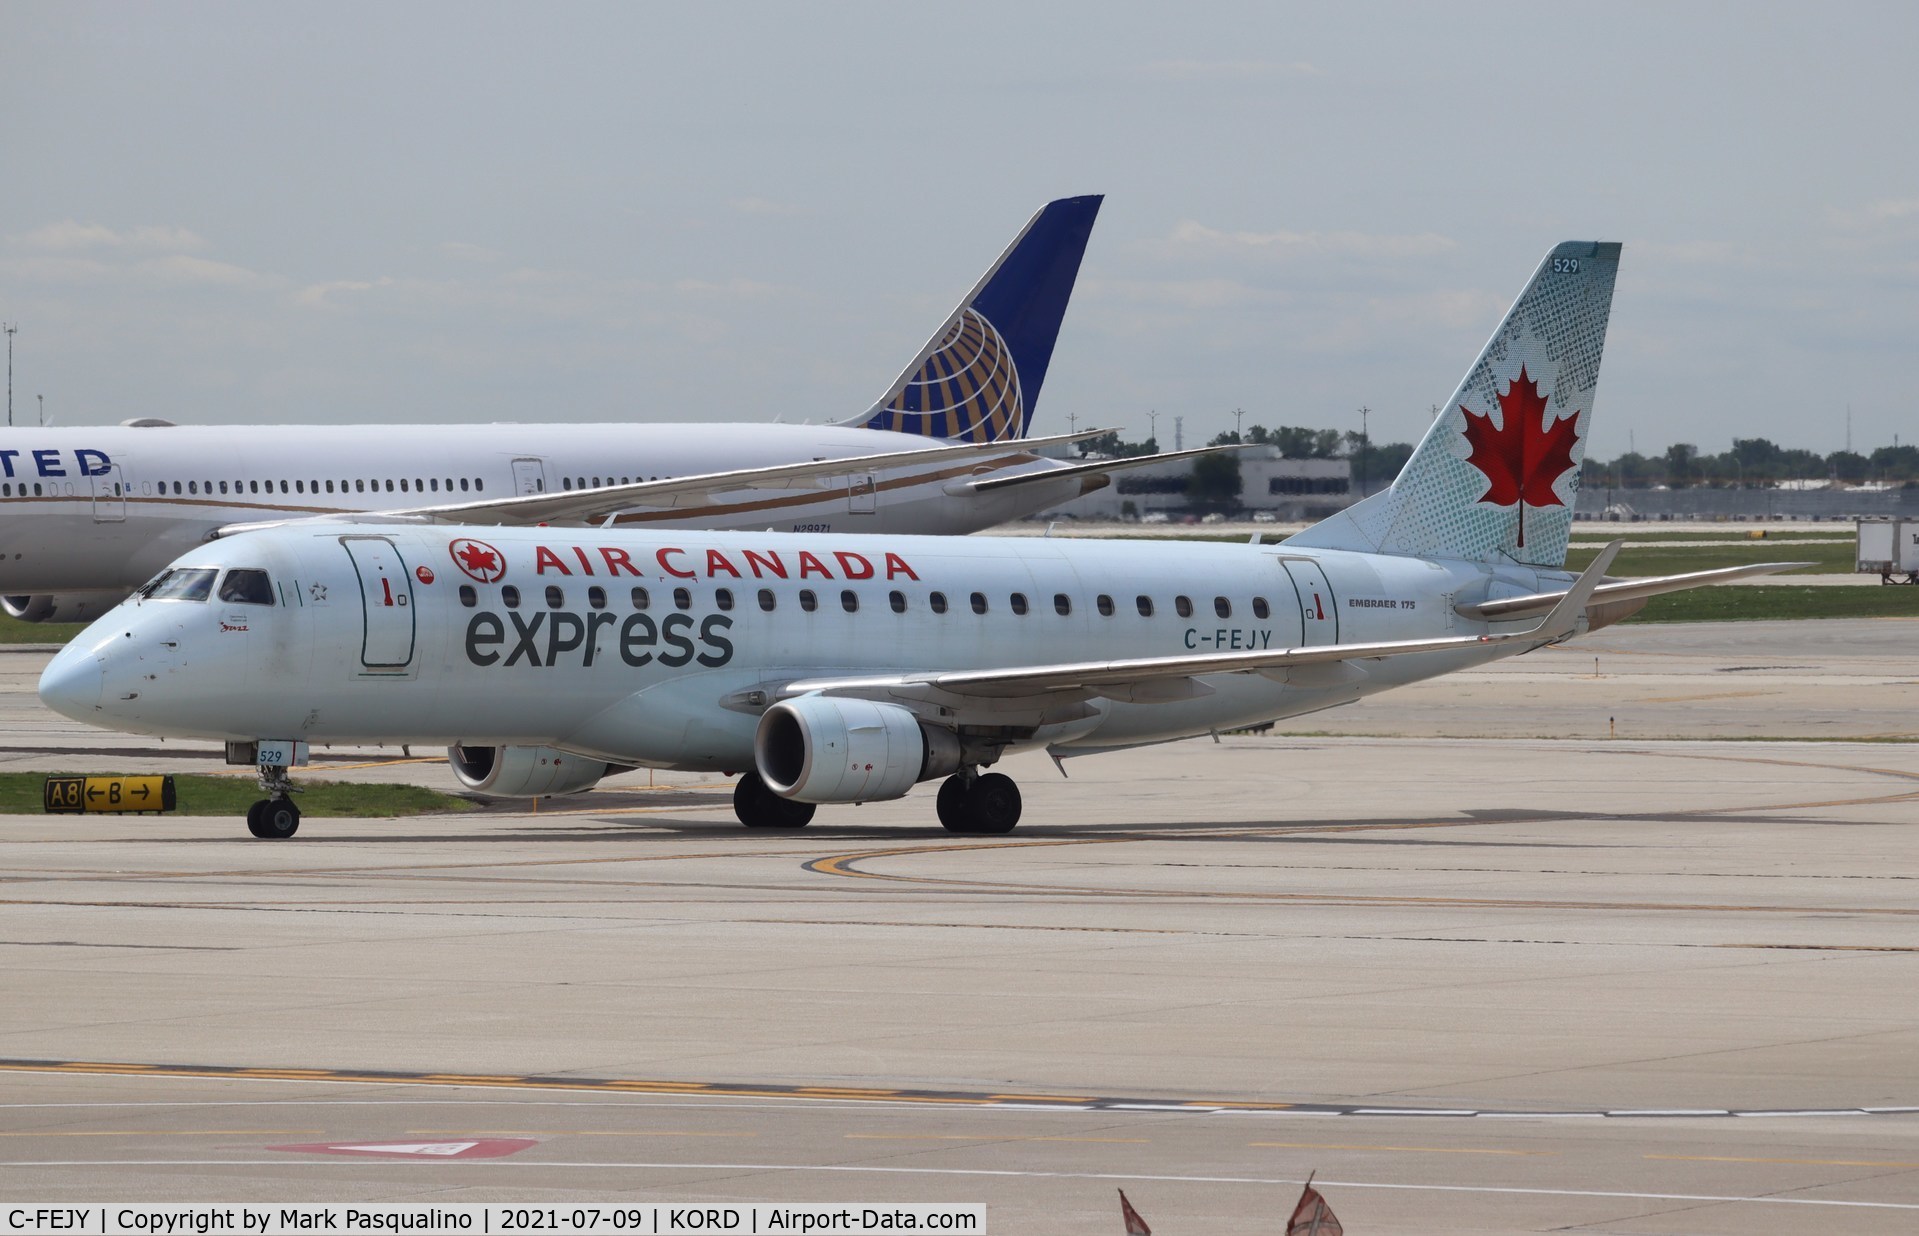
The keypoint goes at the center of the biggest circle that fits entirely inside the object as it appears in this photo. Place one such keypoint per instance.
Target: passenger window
(1145, 606)
(188, 585)
(1019, 602)
(979, 602)
(682, 598)
(1062, 604)
(1260, 608)
(808, 601)
(329, 487)
(468, 597)
(246, 586)
(462, 484)
(596, 597)
(1105, 604)
(1183, 606)
(435, 485)
(555, 597)
(767, 600)
(1222, 607)
(723, 598)
(193, 487)
(510, 597)
(254, 486)
(640, 599)
(223, 486)
(359, 486)
(849, 600)
(937, 601)
(897, 600)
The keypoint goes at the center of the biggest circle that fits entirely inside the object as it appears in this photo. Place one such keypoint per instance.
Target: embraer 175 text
(842, 669)
(87, 515)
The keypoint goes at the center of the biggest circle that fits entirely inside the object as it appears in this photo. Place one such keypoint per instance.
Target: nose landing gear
(274, 818)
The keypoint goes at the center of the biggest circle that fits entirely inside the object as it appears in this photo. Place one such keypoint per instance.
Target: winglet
(1566, 616)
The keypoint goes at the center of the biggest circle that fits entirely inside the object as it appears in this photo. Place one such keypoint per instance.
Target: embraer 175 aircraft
(87, 515)
(841, 669)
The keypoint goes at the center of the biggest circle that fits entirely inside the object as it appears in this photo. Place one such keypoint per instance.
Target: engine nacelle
(523, 772)
(825, 749)
(61, 606)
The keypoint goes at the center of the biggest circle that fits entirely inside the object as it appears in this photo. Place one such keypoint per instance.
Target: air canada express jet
(86, 515)
(839, 669)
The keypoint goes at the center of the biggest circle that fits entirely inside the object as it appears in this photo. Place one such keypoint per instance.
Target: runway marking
(1716, 695)
(1717, 1158)
(160, 1133)
(980, 1172)
(984, 1137)
(844, 1094)
(568, 1133)
(1409, 1149)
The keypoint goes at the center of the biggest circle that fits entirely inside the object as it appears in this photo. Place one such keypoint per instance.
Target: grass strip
(197, 794)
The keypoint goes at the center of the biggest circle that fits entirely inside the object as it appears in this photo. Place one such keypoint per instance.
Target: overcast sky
(718, 212)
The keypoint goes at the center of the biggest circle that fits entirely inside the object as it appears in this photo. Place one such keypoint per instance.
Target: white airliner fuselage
(666, 650)
(107, 508)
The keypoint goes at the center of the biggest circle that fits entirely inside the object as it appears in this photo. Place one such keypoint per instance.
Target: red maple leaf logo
(478, 559)
(1523, 458)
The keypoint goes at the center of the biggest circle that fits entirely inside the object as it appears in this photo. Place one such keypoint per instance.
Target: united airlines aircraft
(86, 515)
(841, 669)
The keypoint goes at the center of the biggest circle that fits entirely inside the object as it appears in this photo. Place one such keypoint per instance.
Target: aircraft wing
(1082, 679)
(1095, 468)
(587, 505)
(1622, 590)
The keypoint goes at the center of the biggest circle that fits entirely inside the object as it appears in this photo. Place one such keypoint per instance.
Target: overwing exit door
(386, 600)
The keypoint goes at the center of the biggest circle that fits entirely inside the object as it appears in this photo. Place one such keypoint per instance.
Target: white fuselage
(104, 509)
(646, 647)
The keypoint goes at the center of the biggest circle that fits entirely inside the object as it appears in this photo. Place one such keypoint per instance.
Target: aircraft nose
(72, 683)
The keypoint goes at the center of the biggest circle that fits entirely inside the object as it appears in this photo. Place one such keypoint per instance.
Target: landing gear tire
(991, 804)
(273, 819)
(951, 805)
(758, 807)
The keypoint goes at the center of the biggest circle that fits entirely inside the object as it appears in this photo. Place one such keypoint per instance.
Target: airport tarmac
(1517, 984)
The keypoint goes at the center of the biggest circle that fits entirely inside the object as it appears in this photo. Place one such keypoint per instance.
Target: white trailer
(1889, 548)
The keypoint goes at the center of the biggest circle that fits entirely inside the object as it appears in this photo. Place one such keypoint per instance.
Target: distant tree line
(1752, 463)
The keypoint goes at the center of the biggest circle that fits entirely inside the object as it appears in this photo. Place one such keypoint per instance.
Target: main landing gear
(969, 802)
(980, 803)
(274, 818)
(758, 807)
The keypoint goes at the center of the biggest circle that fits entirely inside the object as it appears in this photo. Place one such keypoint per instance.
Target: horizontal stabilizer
(1093, 468)
(1507, 608)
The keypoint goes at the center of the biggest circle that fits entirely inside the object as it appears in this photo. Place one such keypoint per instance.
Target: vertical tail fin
(1496, 475)
(978, 377)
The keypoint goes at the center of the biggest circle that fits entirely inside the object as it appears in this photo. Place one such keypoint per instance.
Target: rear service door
(1319, 616)
(386, 598)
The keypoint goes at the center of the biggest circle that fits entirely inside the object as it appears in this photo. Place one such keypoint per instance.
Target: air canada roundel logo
(478, 559)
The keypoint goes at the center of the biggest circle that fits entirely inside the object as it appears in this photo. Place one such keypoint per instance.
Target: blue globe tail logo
(967, 389)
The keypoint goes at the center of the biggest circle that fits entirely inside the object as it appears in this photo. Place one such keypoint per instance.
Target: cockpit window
(247, 586)
(188, 585)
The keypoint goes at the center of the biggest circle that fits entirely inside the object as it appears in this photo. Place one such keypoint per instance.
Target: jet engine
(523, 772)
(61, 606)
(826, 749)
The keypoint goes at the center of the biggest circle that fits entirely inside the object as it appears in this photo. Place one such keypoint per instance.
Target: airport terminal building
(1291, 490)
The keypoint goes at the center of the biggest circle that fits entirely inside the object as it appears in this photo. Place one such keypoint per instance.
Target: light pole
(1239, 414)
(1152, 428)
(1365, 440)
(11, 328)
